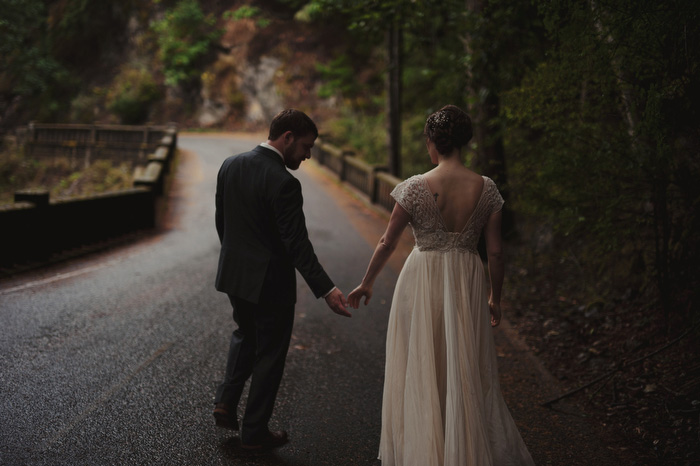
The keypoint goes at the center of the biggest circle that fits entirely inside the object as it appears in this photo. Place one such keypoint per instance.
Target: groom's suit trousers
(258, 350)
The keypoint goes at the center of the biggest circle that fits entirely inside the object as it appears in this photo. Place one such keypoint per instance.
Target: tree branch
(620, 368)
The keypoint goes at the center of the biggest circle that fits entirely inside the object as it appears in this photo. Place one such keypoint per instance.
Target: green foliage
(103, 176)
(369, 16)
(310, 12)
(361, 133)
(599, 117)
(339, 77)
(600, 136)
(47, 47)
(248, 12)
(599, 103)
(185, 37)
(20, 19)
(28, 68)
(433, 68)
(415, 154)
(133, 93)
(85, 106)
(82, 30)
(504, 40)
(59, 176)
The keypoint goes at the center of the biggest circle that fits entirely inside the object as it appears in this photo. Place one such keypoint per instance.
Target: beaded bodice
(427, 224)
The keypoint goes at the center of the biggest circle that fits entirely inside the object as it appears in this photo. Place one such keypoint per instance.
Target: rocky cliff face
(242, 82)
(255, 69)
(258, 71)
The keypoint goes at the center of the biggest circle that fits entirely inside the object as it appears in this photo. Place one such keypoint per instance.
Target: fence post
(343, 164)
(320, 154)
(90, 145)
(374, 186)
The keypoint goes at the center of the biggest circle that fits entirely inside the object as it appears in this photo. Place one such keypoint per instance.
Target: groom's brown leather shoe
(225, 417)
(271, 440)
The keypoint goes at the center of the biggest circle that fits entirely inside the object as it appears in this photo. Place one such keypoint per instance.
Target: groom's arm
(291, 224)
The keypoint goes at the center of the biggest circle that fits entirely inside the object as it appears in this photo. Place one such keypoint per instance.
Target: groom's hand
(336, 301)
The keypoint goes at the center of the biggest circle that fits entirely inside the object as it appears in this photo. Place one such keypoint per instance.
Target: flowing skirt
(442, 403)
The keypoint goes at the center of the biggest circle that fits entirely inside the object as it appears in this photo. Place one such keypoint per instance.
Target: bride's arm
(386, 246)
(494, 251)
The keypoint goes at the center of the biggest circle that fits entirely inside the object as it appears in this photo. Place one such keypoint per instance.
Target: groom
(263, 236)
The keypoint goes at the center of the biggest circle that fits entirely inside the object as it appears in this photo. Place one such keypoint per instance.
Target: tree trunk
(658, 177)
(662, 233)
(394, 45)
(490, 157)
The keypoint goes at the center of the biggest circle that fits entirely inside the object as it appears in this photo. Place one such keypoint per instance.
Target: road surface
(114, 358)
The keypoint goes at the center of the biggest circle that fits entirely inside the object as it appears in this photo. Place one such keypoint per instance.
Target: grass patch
(59, 176)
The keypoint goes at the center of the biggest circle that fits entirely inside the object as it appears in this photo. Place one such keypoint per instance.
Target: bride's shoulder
(407, 192)
(489, 183)
(492, 195)
(410, 182)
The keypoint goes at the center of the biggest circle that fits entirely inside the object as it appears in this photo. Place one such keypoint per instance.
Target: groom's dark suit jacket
(261, 225)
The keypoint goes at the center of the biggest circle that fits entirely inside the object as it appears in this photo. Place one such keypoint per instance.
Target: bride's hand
(495, 313)
(356, 295)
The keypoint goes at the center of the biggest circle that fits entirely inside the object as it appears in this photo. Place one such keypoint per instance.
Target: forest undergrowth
(633, 375)
(60, 176)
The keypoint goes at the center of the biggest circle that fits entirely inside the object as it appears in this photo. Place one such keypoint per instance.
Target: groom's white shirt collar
(268, 146)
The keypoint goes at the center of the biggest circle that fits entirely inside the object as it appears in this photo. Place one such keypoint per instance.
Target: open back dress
(442, 403)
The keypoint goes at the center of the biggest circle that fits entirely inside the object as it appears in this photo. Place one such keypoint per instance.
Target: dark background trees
(586, 114)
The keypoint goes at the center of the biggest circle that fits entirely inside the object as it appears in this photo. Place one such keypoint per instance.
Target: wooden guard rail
(35, 227)
(371, 180)
(84, 143)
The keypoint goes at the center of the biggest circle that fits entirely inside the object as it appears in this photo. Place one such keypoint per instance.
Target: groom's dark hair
(292, 120)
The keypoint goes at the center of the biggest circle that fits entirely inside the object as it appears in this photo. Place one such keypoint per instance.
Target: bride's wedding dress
(442, 403)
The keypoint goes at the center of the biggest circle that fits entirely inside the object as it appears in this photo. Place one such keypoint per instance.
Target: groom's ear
(288, 138)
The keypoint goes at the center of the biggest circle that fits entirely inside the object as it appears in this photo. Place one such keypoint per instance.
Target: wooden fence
(35, 227)
(371, 180)
(83, 143)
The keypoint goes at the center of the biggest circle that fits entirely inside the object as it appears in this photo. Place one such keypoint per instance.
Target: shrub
(185, 37)
(84, 107)
(248, 12)
(131, 97)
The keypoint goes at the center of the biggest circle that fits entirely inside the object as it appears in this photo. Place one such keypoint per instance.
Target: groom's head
(292, 120)
(293, 133)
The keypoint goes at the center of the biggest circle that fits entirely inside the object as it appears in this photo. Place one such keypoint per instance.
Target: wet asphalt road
(114, 358)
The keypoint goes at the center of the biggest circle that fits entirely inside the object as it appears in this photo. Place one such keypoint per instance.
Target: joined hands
(336, 301)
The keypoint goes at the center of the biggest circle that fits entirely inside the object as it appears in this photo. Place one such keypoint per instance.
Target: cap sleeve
(405, 194)
(493, 196)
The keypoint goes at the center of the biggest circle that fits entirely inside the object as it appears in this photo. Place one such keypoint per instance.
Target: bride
(442, 403)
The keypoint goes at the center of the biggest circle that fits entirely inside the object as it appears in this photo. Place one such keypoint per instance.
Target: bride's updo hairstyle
(449, 128)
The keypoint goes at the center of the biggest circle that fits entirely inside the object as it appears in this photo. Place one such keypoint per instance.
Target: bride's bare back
(457, 191)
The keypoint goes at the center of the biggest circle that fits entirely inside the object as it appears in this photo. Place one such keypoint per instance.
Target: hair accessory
(440, 120)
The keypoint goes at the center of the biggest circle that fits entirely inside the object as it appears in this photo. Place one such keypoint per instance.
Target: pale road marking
(56, 278)
(106, 396)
